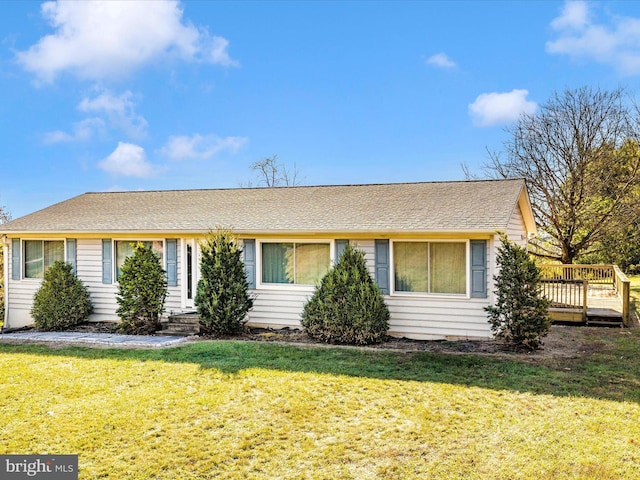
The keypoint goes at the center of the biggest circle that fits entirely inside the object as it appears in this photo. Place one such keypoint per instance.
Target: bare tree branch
(580, 156)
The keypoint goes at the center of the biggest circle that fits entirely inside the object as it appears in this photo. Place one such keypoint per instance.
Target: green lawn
(260, 410)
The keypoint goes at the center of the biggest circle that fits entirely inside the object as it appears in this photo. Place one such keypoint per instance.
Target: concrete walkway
(93, 339)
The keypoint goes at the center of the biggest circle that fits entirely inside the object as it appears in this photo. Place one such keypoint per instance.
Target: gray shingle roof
(482, 206)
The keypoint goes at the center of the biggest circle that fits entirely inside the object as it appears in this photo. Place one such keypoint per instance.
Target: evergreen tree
(520, 315)
(62, 301)
(347, 306)
(222, 295)
(141, 292)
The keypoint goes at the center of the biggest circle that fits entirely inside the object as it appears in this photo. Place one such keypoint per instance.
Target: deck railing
(568, 298)
(603, 275)
(595, 274)
(623, 288)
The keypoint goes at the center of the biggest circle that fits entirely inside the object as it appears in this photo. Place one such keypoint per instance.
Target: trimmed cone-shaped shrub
(142, 290)
(62, 301)
(520, 315)
(347, 306)
(222, 296)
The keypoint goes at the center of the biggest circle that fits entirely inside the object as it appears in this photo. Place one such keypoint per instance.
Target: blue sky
(171, 95)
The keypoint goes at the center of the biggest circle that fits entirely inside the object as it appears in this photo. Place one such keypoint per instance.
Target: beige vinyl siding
(419, 317)
(277, 308)
(173, 302)
(19, 294)
(103, 295)
(431, 318)
(369, 249)
(411, 316)
(89, 268)
(516, 230)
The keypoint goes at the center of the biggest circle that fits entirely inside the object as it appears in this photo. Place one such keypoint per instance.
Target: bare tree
(272, 173)
(4, 215)
(580, 157)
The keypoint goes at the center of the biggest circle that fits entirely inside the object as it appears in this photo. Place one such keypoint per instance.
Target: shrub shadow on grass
(610, 374)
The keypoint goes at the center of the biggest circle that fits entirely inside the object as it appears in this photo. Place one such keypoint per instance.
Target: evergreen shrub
(142, 289)
(347, 306)
(62, 301)
(520, 315)
(222, 295)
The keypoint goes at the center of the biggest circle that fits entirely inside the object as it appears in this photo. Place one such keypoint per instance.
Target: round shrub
(222, 295)
(347, 306)
(62, 301)
(141, 291)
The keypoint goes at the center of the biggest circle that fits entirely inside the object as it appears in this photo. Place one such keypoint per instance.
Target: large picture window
(294, 263)
(40, 255)
(430, 267)
(124, 249)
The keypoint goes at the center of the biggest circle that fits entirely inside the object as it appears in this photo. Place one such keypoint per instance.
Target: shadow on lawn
(609, 374)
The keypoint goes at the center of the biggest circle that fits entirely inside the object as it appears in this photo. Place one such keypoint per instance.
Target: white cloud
(615, 43)
(500, 108)
(82, 131)
(575, 15)
(441, 60)
(127, 160)
(197, 146)
(218, 53)
(109, 39)
(120, 110)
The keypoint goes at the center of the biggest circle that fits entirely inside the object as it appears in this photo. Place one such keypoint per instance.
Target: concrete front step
(187, 318)
(182, 324)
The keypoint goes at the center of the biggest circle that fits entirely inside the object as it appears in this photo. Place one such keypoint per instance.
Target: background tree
(272, 173)
(4, 217)
(142, 289)
(580, 157)
(62, 301)
(222, 296)
(621, 248)
(520, 315)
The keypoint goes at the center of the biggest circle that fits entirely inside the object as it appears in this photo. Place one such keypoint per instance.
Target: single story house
(431, 247)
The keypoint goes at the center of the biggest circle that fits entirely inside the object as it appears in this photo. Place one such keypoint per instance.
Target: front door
(191, 269)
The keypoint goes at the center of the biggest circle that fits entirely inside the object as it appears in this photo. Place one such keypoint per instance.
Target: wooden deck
(587, 294)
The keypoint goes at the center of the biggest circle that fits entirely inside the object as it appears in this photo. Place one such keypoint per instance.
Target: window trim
(289, 286)
(114, 253)
(23, 259)
(450, 296)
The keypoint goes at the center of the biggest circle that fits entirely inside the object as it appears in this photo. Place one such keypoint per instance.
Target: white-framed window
(431, 267)
(40, 255)
(124, 248)
(301, 263)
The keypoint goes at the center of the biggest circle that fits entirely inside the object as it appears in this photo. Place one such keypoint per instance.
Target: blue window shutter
(382, 265)
(172, 262)
(249, 252)
(479, 268)
(107, 259)
(340, 247)
(72, 254)
(16, 266)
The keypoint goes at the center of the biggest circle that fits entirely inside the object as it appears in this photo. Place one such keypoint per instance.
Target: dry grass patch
(250, 410)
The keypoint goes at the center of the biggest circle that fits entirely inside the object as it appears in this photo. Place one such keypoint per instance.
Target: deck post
(625, 302)
(585, 287)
